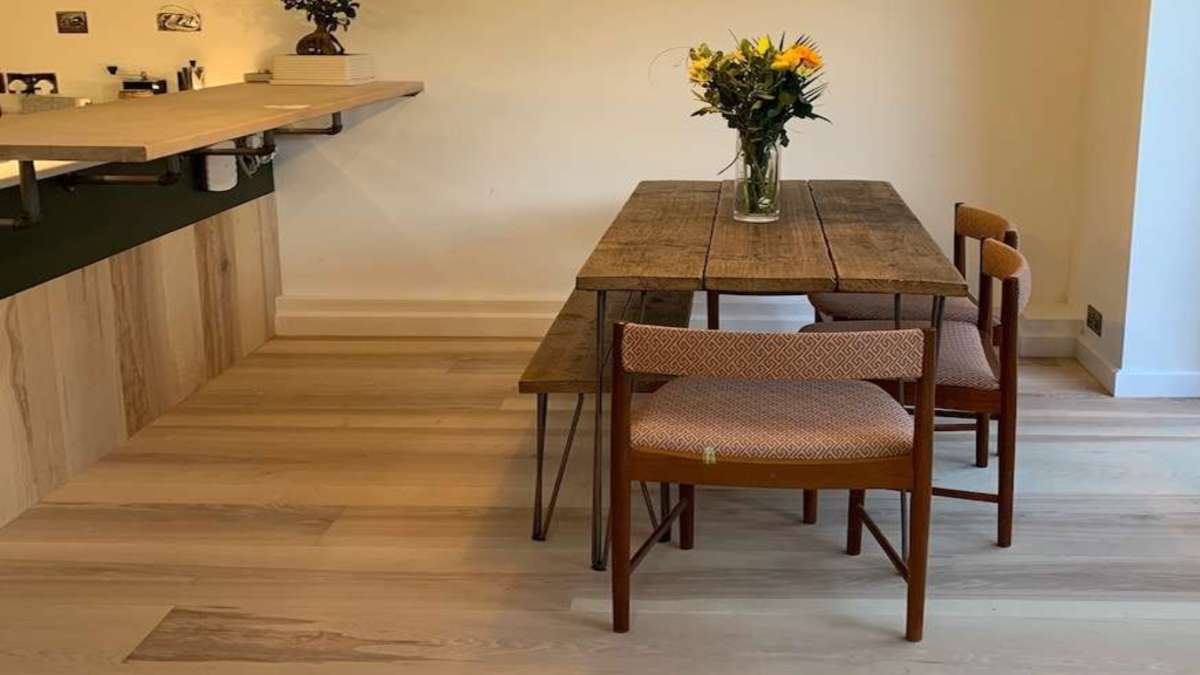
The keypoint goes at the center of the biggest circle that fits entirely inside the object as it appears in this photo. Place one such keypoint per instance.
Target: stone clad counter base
(90, 358)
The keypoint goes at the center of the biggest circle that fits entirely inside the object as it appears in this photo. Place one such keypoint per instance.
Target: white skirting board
(1138, 383)
(1095, 363)
(334, 317)
(1133, 383)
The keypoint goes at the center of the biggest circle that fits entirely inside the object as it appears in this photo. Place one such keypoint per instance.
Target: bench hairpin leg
(649, 504)
(664, 497)
(654, 521)
(542, 523)
(599, 545)
(539, 533)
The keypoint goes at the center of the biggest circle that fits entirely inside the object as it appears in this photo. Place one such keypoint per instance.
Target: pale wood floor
(362, 507)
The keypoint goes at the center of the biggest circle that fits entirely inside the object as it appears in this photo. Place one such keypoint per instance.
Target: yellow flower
(737, 56)
(698, 69)
(763, 45)
(784, 61)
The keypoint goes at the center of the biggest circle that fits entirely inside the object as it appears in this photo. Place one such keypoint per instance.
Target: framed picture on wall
(179, 19)
(72, 22)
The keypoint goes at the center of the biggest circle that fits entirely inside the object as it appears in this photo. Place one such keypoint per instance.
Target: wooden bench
(565, 363)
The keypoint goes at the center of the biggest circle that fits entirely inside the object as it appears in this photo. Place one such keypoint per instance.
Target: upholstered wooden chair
(974, 375)
(969, 224)
(772, 410)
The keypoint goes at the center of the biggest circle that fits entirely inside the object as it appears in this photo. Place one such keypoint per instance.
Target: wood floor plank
(206, 635)
(41, 638)
(363, 507)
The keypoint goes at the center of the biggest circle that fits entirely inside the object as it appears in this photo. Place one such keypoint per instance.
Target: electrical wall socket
(1095, 321)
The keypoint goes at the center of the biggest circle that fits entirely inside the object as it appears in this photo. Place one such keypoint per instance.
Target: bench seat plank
(565, 362)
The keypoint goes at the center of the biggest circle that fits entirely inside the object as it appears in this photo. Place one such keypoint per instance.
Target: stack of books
(345, 69)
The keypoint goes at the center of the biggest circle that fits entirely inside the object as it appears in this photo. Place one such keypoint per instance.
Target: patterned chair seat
(962, 361)
(880, 307)
(772, 421)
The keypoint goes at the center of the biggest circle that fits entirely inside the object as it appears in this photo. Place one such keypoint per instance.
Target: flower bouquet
(758, 88)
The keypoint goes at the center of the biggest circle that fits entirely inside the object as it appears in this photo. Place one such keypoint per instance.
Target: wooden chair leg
(918, 563)
(621, 561)
(811, 500)
(1007, 440)
(983, 423)
(854, 528)
(714, 310)
(687, 519)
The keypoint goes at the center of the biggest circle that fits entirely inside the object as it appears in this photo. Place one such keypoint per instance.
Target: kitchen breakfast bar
(127, 279)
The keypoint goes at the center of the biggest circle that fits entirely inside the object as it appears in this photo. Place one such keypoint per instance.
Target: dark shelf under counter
(90, 223)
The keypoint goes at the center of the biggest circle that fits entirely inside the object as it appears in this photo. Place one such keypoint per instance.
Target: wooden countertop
(142, 130)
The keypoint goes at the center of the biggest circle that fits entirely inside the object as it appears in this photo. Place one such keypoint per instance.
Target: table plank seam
(712, 233)
(837, 275)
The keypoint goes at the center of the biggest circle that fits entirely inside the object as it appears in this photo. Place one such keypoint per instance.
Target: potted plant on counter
(327, 16)
(320, 57)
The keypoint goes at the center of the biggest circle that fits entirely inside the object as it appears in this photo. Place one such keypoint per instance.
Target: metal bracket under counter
(31, 203)
(31, 209)
(169, 177)
(30, 212)
(335, 127)
(31, 199)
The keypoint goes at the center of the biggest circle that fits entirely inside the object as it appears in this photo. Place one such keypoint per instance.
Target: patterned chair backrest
(875, 355)
(1004, 263)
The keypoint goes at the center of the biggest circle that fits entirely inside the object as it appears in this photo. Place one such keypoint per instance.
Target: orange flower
(800, 58)
(810, 57)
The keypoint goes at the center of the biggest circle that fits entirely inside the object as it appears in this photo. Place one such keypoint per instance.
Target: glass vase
(756, 187)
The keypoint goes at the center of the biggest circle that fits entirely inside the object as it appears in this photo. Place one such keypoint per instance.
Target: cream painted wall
(1111, 128)
(236, 36)
(541, 115)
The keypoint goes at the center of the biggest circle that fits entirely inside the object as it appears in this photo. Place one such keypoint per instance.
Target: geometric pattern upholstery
(771, 421)
(962, 361)
(658, 350)
(882, 306)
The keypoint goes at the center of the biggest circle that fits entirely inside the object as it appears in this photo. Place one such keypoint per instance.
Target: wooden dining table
(848, 236)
